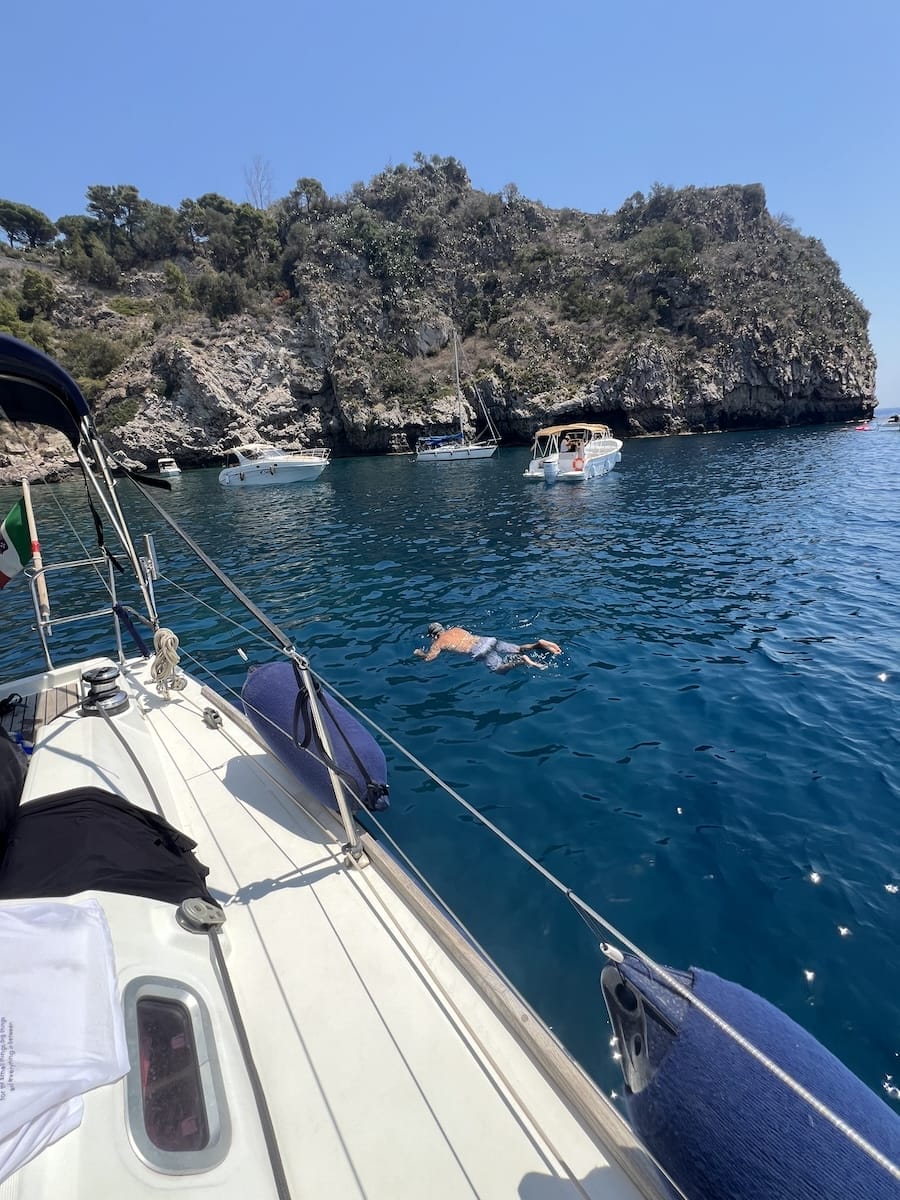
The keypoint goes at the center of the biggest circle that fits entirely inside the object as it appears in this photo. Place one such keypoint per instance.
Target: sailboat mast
(459, 397)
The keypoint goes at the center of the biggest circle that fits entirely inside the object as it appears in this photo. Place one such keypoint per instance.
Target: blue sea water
(712, 763)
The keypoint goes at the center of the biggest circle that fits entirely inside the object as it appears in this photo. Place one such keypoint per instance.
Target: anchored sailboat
(456, 446)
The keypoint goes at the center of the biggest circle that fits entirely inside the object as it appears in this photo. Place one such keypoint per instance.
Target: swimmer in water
(496, 655)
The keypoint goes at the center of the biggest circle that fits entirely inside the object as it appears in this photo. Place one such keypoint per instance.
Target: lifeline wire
(589, 914)
(67, 520)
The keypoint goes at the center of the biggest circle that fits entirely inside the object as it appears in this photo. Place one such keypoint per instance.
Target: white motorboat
(300, 1016)
(891, 422)
(572, 453)
(167, 467)
(458, 446)
(257, 464)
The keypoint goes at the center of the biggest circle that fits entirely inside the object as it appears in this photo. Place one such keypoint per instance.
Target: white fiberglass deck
(386, 1073)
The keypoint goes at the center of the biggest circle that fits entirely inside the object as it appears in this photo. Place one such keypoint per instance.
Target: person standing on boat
(496, 655)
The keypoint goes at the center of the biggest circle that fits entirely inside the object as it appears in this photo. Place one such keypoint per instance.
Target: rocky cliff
(685, 311)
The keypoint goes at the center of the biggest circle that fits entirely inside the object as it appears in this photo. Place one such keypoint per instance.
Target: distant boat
(257, 464)
(454, 447)
(891, 422)
(167, 466)
(572, 453)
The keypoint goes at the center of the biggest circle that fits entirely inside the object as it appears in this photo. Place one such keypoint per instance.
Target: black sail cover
(33, 388)
(88, 839)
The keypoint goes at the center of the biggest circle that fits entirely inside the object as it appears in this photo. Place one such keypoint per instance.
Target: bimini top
(592, 428)
(34, 388)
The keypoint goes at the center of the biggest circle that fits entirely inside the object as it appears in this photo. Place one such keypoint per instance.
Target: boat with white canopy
(572, 453)
(220, 977)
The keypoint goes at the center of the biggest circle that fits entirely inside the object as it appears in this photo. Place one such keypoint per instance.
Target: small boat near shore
(572, 453)
(167, 467)
(257, 464)
(452, 447)
(457, 446)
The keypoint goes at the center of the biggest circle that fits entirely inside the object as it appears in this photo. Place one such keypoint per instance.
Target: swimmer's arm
(429, 655)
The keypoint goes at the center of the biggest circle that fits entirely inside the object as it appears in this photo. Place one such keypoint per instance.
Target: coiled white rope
(164, 668)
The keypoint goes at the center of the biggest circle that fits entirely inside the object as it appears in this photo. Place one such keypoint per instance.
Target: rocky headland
(318, 320)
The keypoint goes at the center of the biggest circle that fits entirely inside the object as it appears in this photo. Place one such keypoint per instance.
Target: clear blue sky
(580, 103)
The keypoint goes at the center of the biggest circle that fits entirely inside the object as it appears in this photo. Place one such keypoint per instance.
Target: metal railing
(44, 624)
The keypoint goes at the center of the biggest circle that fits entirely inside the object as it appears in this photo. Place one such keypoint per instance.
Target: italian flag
(15, 543)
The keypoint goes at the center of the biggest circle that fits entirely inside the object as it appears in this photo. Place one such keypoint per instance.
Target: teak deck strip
(40, 709)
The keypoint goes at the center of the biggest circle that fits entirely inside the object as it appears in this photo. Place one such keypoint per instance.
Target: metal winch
(102, 695)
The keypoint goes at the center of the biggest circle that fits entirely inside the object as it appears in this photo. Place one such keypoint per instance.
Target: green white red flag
(15, 543)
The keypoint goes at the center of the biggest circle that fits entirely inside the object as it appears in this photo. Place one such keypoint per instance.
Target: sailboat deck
(385, 1071)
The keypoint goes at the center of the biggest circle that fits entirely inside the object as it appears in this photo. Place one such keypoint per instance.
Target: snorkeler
(496, 655)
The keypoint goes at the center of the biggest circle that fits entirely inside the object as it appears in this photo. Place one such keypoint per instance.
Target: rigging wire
(251, 633)
(589, 915)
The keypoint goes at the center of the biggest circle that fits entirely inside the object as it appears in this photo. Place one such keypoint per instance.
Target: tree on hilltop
(119, 207)
(258, 178)
(25, 225)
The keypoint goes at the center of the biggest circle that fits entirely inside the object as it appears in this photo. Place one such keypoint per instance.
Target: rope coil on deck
(164, 668)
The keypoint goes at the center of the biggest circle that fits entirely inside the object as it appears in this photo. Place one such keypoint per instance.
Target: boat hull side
(266, 475)
(594, 468)
(455, 455)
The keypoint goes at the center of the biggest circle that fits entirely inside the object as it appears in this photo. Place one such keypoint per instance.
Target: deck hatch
(177, 1115)
(171, 1092)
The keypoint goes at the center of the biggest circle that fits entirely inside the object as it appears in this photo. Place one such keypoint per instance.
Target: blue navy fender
(719, 1120)
(279, 709)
